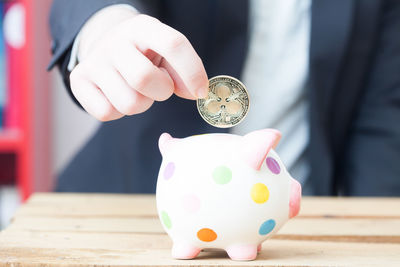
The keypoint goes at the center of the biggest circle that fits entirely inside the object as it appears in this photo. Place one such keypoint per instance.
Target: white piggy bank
(224, 191)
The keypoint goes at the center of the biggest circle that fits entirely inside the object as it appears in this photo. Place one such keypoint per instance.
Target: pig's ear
(257, 144)
(164, 143)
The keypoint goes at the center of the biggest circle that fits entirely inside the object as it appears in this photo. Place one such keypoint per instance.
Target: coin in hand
(227, 102)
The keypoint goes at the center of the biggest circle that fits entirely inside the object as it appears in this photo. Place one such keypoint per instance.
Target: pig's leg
(242, 252)
(184, 251)
(259, 247)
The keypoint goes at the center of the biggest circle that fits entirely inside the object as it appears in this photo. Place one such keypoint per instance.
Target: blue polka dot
(267, 227)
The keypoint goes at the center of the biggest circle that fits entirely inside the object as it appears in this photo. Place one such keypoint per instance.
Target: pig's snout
(295, 198)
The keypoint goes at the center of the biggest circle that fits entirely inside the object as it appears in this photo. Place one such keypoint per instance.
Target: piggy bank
(224, 191)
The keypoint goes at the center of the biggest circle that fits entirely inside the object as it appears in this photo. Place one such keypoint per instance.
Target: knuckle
(198, 79)
(75, 74)
(128, 107)
(75, 80)
(104, 112)
(143, 79)
(166, 93)
(165, 96)
(142, 18)
(145, 105)
(102, 117)
(177, 42)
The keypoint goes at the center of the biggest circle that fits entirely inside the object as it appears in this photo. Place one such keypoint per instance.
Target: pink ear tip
(275, 131)
(276, 136)
(273, 134)
(257, 144)
(162, 142)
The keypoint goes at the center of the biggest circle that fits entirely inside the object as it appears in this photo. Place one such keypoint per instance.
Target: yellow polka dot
(259, 193)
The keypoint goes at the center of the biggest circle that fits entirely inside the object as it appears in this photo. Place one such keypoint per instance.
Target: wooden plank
(380, 230)
(109, 225)
(356, 207)
(70, 240)
(117, 230)
(111, 205)
(343, 227)
(54, 249)
(89, 205)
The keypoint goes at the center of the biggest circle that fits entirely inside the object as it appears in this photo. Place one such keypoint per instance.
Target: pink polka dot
(169, 170)
(191, 203)
(273, 165)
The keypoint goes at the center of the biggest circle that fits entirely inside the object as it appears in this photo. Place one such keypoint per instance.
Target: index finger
(176, 49)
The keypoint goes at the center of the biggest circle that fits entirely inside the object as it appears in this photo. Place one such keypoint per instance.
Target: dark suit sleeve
(372, 162)
(67, 18)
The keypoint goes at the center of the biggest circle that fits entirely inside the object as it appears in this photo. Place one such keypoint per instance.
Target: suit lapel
(331, 23)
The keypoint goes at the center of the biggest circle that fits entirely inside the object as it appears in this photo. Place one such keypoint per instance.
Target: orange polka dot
(206, 235)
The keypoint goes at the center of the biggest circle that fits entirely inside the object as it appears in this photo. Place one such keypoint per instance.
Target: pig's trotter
(242, 252)
(184, 251)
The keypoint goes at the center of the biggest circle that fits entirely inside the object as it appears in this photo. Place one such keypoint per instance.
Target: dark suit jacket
(354, 93)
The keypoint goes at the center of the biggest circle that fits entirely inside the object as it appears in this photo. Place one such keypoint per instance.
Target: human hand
(127, 61)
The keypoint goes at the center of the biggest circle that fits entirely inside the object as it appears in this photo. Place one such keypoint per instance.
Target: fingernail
(201, 92)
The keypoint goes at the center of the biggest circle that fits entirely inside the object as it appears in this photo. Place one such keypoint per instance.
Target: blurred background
(37, 136)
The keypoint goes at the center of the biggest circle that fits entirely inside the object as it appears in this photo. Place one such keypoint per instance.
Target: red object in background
(16, 54)
(7, 168)
(26, 131)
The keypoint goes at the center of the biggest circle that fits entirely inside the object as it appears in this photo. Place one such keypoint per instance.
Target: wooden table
(116, 230)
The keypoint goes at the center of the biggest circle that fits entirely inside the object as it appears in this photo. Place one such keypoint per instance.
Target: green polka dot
(222, 175)
(166, 220)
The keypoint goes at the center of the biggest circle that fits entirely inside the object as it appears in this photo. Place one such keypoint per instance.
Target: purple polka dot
(169, 170)
(273, 165)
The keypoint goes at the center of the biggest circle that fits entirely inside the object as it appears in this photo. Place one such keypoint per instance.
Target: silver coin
(226, 104)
